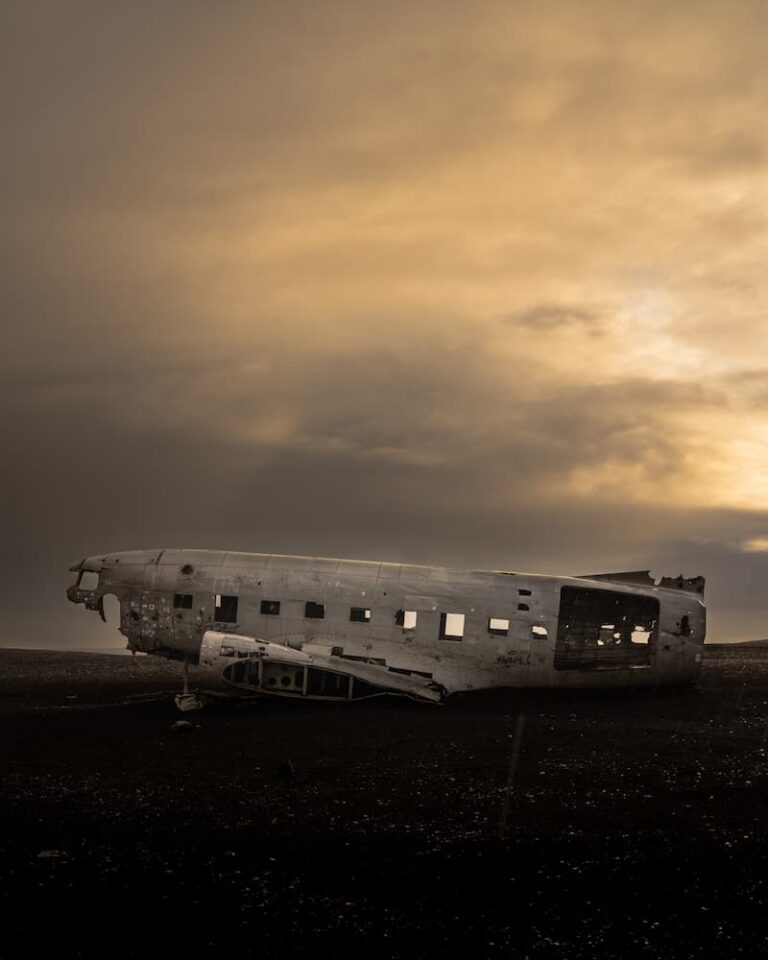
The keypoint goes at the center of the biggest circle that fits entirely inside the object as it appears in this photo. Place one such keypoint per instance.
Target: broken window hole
(226, 609)
(187, 569)
(538, 632)
(314, 611)
(359, 615)
(523, 606)
(452, 626)
(406, 619)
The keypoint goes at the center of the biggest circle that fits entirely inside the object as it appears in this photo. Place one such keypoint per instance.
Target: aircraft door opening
(604, 629)
(110, 607)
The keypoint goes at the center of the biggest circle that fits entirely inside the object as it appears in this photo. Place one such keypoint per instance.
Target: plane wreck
(249, 624)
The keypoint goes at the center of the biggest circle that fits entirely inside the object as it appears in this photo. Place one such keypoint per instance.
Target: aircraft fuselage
(398, 627)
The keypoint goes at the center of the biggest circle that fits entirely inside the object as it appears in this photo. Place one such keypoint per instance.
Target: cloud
(548, 315)
(755, 545)
(476, 281)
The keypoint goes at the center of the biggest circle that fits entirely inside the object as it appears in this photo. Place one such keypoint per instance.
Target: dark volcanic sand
(635, 825)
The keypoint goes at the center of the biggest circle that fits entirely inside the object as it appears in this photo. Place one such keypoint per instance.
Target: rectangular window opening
(406, 619)
(452, 626)
(359, 615)
(182, 601)
(270, 608)
(524, 593)
(226, 609)
(498, 626)
(314, 611)
(605, 629)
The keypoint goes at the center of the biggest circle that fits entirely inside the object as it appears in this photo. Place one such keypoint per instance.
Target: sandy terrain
(634, 824)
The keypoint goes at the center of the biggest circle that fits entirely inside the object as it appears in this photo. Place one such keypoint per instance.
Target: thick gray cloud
(473, 284)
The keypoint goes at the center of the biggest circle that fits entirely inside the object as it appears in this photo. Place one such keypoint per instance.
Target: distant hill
(738, 643)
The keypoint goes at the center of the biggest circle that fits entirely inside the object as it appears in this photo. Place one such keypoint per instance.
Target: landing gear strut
(186, 700)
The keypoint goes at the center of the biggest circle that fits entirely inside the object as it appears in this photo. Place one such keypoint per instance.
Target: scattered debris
(186, 702)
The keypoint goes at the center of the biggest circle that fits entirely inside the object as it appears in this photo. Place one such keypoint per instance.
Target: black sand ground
(634, 825)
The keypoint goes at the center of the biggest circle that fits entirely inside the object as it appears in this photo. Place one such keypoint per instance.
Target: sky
(479, 284)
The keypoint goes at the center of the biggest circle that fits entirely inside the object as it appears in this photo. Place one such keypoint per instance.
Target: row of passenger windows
(451, 624)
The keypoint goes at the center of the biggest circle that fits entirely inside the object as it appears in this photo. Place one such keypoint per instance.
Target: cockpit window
(89, 580)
